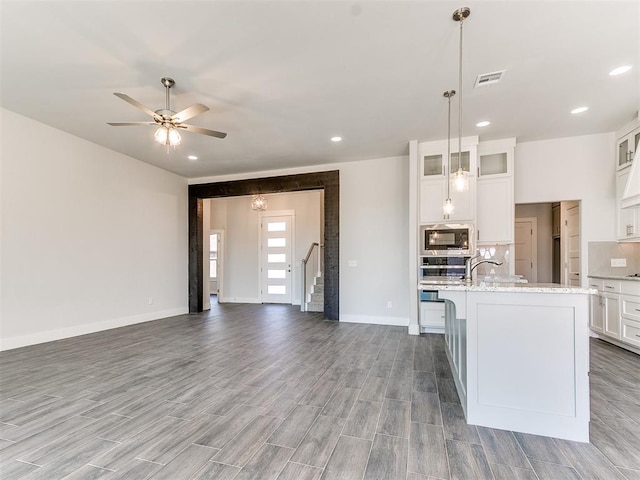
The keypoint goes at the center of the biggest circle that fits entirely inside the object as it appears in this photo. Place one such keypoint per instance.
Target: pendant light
(447, 208)
(460, 177)
(258, 202)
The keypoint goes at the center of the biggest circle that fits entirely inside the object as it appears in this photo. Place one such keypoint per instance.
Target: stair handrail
(313, 245)
(305, 273)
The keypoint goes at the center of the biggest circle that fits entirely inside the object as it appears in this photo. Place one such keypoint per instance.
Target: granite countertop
(616, 277)
(508, 287)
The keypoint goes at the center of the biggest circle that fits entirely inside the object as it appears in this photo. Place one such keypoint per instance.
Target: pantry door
(276, 258)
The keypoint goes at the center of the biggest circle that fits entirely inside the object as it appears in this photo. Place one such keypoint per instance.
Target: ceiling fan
(168, 121)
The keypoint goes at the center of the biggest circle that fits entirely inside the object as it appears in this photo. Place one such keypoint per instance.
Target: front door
(276, 260)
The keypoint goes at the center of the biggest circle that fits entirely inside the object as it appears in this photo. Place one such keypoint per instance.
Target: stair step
(316, 297)
(315, 307)
(317, 289)
(319, 281)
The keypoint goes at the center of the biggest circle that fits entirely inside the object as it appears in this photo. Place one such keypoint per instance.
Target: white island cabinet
(519, 354)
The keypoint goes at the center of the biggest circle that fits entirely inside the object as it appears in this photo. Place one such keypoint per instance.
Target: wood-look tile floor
(266, 392)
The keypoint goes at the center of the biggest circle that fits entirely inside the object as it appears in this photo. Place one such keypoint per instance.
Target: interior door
(573, 245)
(526, 249)
(276, 259)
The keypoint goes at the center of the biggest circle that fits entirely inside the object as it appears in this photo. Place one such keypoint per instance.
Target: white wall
(241, 225)
(573, 168)
(374, 231)
(88, 236)
(542, 212)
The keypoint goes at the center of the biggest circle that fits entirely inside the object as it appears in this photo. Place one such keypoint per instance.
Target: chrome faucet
(469, 268)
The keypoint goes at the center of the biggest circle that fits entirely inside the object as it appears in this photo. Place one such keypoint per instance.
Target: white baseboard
(238, 300)
(414, 329)
(395, 321)
(84, 329)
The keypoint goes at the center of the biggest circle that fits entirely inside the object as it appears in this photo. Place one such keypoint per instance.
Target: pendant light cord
(448, 94)
(460, 100)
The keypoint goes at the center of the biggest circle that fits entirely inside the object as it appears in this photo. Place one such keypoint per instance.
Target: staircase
(315, 296)
(312, 280)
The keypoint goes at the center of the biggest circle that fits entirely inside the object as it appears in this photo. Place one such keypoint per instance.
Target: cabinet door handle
(607, 286)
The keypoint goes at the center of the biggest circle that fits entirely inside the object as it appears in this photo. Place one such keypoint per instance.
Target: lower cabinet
(432, 317)
(631, 332)
(615, 310)
(597, 313)
(612, 315)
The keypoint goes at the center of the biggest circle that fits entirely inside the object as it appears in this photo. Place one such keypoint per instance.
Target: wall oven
(452, 239)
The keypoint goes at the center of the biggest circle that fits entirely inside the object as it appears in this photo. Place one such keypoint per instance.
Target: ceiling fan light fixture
(161, 135)
(167, 136)
(174, 137)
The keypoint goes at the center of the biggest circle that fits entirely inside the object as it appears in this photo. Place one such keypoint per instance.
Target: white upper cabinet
(626, 148)
(628, 219)
(433, 167)
(495, 201)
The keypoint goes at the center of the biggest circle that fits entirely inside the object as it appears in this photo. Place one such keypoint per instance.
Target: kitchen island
(519, 355)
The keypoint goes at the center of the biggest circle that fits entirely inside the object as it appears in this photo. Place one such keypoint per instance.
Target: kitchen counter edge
(616, 277)
(510, 287)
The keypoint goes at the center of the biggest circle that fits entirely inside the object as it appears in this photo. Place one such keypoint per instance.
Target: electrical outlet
(389, 304)
(150, 300)
(353, 263)
(618, 262)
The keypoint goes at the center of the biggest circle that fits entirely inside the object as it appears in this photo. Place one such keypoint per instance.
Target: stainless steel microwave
(450, 239)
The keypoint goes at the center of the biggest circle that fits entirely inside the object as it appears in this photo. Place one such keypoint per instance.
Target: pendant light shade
(258, 202)
(448, 207)
(460, 180)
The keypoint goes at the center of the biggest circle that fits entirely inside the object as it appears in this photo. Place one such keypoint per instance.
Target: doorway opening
(215, 261)
(328, 181)
(553, 254)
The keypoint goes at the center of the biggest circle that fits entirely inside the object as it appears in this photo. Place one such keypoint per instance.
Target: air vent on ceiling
(489, 78)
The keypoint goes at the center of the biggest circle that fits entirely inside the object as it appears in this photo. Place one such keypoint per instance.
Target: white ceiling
(282, 77)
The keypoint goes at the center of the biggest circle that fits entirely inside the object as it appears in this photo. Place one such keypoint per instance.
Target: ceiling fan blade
(188, 113)
(203, 131)
(136, 104)
(125, 124)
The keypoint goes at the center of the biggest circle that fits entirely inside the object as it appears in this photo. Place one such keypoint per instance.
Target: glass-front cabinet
(434, 169)
(433, 159)
(493, 164)
(495, 201)
(627, 146)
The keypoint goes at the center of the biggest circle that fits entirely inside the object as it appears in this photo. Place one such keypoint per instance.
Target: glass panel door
(276, 259)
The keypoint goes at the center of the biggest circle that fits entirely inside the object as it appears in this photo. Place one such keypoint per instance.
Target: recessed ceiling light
(579, 110)
(620, 70)
(192, 157)
(336, 139)
(483, 123)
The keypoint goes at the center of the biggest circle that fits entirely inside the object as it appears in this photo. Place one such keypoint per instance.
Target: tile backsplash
(500, 253)
(601, 253)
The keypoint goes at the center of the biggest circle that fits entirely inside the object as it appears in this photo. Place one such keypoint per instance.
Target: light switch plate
(618, 262)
